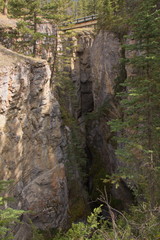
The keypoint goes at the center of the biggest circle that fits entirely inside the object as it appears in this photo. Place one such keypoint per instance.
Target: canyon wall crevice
(97, 66)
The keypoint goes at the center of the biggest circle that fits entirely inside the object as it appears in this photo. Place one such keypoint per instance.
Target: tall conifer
(139, 128)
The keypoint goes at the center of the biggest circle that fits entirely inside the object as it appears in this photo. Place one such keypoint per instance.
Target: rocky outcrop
(32, 143)
(12, 38)
(46, 47)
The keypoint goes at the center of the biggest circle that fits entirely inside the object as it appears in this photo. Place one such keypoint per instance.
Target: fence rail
(85, 19)
(82, 20)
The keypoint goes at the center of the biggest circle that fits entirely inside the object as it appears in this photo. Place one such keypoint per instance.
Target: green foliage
(82, 8)
(28, 12)
(36, 235)
(137, 129)
(28, 37)
(8, 216)
(112, 15)
(144, 224)
(137, 225)
(114, 179)
(1, 5)
(82, 231)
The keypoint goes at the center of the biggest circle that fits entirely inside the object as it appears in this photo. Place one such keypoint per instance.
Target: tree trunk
(35, 31)
(5, 7)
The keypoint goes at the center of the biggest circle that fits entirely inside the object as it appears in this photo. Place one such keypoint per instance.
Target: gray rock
(31, 141)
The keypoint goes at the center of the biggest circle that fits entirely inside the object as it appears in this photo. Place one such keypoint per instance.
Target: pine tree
(5, 7)
(28, 12)
(92, 7)
(31, 13)
(82, 8)
(8, 216)
(112, 15)
(139, 131)
(85, 8)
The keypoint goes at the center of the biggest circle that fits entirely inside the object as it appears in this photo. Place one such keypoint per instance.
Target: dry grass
(84, 29)
(5, 59)
(6, 22)
(8, 57)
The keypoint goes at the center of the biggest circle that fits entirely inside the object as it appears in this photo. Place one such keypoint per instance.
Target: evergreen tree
(5, 7)
(57, 10)
(8, 216)
(112, 15)
(139, 131)
(83, 8)
(92, 7)
(31, 13)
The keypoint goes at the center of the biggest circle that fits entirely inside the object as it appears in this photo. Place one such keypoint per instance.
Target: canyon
(35, 136)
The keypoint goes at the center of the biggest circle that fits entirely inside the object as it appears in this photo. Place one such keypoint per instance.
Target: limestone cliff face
(97, 63)
(81, 72)
(105, 62)
(96, 67)
(106, 73)
(31, 140)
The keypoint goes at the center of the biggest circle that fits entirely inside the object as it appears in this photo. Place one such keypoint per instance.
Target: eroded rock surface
(105, 62)
(81, 72)
(97, 62)
(96, 67)
(31, 140)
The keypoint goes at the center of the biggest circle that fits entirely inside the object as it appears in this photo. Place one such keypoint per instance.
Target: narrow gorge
(34, 137)
(57, 148)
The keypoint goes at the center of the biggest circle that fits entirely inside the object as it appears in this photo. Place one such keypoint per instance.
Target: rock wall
(12, 39)
(81, 72)
(32, 143)
(107, 72)
(96, 68)
(104, 71)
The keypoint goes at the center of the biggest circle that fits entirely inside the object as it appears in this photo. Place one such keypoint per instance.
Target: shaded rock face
(104, 71)
(97, 64)
(81, 73)
(32, 144)
(95, 68)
